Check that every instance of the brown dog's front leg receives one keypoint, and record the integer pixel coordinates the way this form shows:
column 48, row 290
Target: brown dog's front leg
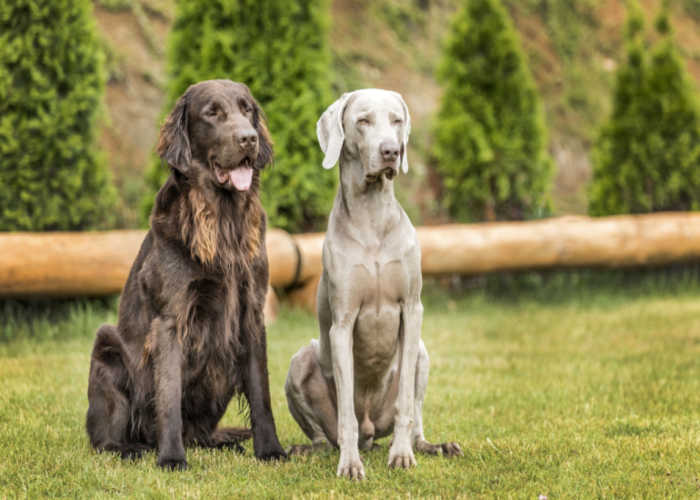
column 257, row 391
column 168, row 385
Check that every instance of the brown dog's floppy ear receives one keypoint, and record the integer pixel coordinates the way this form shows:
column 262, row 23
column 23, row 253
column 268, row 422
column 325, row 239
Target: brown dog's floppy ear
column 265, row 152
column 174, row 141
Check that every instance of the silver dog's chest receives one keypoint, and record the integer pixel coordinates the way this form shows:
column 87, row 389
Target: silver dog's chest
column 377, row 328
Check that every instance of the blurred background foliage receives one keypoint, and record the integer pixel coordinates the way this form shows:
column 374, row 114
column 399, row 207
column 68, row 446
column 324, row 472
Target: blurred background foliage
column 576, row 52
column 51, row 85
column 647, row 157
column 490, row 140
column 279, row 50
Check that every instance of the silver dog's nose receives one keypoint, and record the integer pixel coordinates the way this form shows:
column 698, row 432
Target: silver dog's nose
column 389, row 150
column 247, row 138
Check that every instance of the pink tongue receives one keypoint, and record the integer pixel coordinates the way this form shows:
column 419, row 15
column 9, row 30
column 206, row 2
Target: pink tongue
column 241, row 178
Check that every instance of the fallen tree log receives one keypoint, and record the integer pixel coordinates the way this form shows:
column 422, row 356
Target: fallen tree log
column 97, row 263
column 563, row 242
column 65, row 264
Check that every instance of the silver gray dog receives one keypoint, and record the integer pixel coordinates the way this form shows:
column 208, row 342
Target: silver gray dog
column 370, row 364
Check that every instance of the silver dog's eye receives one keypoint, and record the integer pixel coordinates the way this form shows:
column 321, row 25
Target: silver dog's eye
column 398, row 121
column 245, row 106
column 363, row 121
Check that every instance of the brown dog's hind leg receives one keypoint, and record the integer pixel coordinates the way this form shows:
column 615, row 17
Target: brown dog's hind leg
column 107, row 417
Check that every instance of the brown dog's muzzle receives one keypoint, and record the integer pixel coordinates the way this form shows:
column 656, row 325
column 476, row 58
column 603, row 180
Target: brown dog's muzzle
column 247, row 140
column 241, row 159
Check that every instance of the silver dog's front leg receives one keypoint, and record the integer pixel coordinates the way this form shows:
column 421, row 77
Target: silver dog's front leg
column 350, row 464
column 401, row 451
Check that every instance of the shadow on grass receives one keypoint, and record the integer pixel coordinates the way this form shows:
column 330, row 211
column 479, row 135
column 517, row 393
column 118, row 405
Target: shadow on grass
column 598, row 287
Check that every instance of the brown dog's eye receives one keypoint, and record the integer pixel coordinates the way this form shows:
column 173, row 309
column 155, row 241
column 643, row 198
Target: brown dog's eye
column 212, row 111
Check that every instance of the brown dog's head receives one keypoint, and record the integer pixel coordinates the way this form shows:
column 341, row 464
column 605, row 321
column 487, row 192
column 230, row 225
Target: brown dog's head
column 216, row 133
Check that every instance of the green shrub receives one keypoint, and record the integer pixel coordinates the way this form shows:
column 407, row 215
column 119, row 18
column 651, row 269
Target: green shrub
column 116, row 4
column 51, row 86
column 647, row 156
column 490, row 140
column 278, row 48
column 692, row 7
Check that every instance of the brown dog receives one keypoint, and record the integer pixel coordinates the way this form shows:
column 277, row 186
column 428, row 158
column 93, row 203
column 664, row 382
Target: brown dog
column 190, row 334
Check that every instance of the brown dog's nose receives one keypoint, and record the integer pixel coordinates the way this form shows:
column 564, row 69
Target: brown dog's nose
column 247, row 138
column 389, row 150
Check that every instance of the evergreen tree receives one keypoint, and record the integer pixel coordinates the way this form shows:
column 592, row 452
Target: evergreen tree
column 647, row 157
column 277, row 48
column 490, row 140
column 51, row 86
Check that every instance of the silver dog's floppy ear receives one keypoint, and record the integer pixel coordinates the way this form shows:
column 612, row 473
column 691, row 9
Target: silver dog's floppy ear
column 330, row 133
column 406, row 133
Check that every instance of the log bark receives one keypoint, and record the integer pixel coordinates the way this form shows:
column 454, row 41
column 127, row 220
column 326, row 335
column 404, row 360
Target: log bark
column 66, row 264
column 97, row 263
column 564, row 242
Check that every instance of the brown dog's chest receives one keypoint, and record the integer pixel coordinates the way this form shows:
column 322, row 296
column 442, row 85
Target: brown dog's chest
column 214, row 308
column 213, row 347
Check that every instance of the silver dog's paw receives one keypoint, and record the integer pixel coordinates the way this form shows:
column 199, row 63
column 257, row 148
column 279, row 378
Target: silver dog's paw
column 401, row 458
column 350, row 466
column 449, row 449
column 299, row 450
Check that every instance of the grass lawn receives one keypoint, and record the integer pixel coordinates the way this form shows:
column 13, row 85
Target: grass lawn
column 574, row 398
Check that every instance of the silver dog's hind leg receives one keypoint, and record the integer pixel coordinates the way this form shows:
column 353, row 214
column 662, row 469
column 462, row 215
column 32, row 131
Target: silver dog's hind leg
column 309, row 400
column 449, row 449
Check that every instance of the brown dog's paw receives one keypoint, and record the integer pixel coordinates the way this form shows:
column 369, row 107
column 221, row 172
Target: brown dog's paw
column 273, row 454
column 132, row 452
column 172, row 463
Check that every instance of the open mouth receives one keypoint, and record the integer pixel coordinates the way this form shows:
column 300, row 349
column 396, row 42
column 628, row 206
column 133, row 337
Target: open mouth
column 388, row 172
column 240, row 177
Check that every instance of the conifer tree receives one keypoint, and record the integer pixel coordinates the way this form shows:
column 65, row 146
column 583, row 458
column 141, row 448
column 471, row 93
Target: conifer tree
column 490, row 139
column 51, row 86
column 647, row 156
column 277, row 48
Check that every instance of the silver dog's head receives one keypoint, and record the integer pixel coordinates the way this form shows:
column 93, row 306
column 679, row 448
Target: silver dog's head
column 370, row 126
